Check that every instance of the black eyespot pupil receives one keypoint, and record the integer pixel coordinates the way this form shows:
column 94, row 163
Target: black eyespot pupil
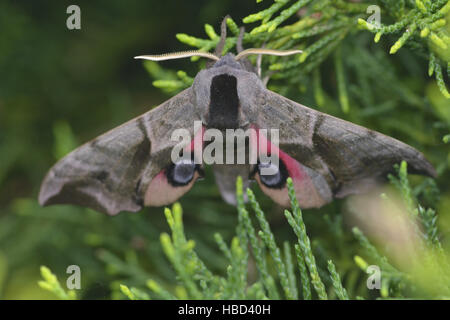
column 181, row 173
column 271, row 175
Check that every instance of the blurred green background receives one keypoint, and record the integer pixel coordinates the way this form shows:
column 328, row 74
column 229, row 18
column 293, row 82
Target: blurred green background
column 60, row 88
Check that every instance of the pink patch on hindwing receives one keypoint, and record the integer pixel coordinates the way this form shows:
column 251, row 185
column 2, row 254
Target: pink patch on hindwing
column 160, row 192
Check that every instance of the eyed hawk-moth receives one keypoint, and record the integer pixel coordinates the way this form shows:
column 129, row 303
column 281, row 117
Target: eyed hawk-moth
column 130, row 166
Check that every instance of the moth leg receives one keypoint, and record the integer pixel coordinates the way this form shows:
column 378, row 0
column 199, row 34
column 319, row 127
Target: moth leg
column 223, row 37
column 239, row 46
column 266, row 79
column 259, row 63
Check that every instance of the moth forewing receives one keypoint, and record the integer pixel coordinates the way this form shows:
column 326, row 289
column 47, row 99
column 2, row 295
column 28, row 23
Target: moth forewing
column 113, row 172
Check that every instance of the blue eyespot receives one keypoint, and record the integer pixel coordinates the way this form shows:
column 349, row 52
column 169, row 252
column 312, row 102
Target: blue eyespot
column 182, row 172
column 277, row 174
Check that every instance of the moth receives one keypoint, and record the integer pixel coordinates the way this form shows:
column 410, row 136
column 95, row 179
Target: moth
column 130, row 166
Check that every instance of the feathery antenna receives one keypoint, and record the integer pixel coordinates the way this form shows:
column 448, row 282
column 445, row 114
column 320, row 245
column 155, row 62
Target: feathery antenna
column 266, row 51
column 178, row 55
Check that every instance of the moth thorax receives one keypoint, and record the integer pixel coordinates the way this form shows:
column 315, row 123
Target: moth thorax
column 224, row 103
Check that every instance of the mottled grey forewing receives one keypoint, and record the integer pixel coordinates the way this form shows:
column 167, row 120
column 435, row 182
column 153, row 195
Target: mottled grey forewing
column 351, row 158
column 110, row 173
